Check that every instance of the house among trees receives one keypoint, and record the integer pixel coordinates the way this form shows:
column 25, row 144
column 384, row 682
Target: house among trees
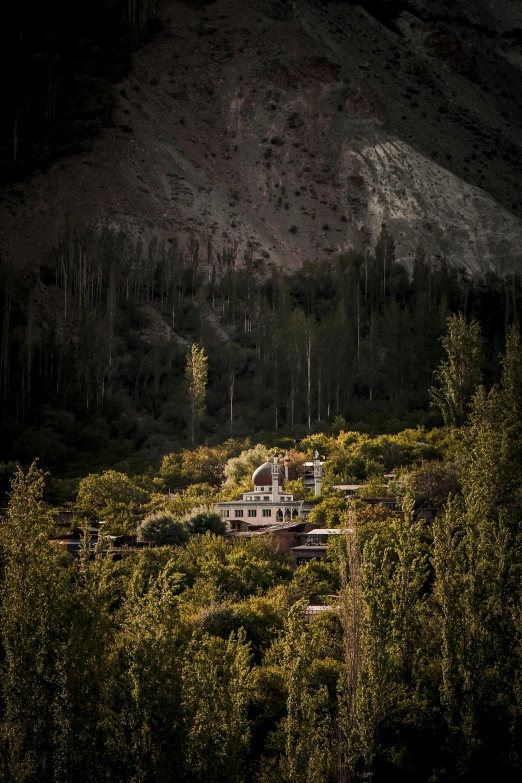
column 72, row 539
column 314, row 610
column 268, row 504
column 390, row 503
column 285, row 536
column 348, row 490
column 310, row 469
column 314, row 546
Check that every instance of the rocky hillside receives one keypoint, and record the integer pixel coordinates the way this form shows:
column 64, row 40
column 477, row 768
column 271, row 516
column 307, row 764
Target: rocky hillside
column 294, row 129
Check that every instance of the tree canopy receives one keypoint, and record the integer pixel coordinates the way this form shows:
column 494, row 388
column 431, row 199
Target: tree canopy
column 461, row 372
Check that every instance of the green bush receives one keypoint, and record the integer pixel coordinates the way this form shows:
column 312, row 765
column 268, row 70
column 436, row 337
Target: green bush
column 163, row 529
column 203, row 521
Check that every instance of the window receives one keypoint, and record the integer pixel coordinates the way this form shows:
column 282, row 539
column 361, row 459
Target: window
column 252, row 512
column 317, row 539
column 266, row 498
column 257, row 497
column 267, row 512
column 225, row 513
column 238, row 512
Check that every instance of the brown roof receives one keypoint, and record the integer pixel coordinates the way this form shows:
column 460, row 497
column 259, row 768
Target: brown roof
column 262, row 476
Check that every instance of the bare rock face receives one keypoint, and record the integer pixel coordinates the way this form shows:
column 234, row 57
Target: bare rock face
column 292, row 130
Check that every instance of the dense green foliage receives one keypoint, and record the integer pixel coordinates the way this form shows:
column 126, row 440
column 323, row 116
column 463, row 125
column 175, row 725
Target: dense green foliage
column 62, row 59
column 94, row 347
column 197, row 662
column 196, row 377
column 163, row 529
column 460, row 374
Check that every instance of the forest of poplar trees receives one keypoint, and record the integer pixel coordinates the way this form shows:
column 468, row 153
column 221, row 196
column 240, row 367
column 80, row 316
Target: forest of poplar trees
column 94, row 344
column 196, row 663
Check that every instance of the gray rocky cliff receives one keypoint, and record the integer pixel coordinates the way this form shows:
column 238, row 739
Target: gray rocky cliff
column 294, row 130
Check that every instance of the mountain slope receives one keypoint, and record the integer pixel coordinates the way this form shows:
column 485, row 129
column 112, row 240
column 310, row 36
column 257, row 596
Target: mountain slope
column 295, row 129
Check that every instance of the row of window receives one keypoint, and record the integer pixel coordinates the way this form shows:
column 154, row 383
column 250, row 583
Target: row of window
column 318, row 539
column 301, row 561
column 252, row 512
column 258, row 497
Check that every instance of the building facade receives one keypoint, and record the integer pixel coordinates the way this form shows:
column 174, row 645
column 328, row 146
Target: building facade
column 267, row 504
column 313, row 471
column 315, row 545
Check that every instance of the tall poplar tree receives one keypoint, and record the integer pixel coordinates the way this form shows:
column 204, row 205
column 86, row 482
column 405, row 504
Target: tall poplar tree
column 477, row 557
column 196, row 377
column 307, row 726
column 461, row 372
column 215, row 698
column 31, row 601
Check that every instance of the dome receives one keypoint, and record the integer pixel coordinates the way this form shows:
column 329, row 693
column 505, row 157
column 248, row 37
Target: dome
column 262, row 476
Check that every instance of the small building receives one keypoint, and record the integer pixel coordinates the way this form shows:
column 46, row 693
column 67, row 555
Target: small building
column 392, row 504
column 64, row 519
column 267, row 503
column 348, row 490
column 72, row 540
column 315, row 610
column 286, row 536
column 427, row 513
column 314, row 545
column 313, row 471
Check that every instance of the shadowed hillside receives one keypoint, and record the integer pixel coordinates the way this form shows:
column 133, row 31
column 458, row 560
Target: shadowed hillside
column 295, row 129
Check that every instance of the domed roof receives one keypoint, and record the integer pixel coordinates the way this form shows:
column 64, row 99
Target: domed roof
column 262, row 476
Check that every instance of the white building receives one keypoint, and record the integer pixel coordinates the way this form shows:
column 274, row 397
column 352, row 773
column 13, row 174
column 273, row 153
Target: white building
column 311, row 473
column 268, row 503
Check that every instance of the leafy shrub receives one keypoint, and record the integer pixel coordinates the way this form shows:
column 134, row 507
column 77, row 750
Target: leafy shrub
column 240, row 469
column 163, row 529
column 113, row 497
column 205, row 520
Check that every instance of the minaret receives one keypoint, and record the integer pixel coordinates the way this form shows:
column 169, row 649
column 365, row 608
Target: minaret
column 286, row 460
column 275, row 479
column 318, row 473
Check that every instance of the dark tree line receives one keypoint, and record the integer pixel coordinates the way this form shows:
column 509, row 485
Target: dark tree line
column 94, row 345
